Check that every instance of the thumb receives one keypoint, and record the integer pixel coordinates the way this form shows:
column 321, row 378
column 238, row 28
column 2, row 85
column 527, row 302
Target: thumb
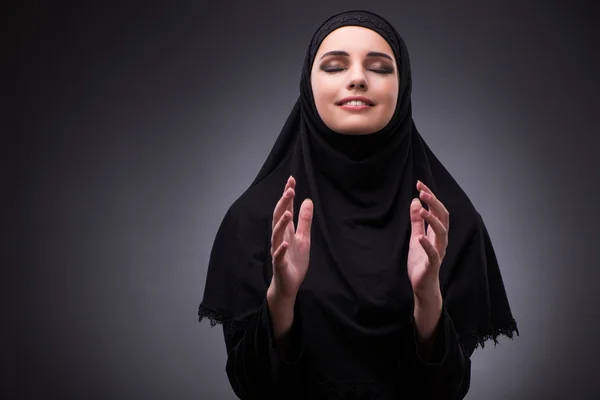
column 305, row 219
column 416, row 221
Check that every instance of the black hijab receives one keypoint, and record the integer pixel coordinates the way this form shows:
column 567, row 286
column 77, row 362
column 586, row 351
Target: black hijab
column 356, row 290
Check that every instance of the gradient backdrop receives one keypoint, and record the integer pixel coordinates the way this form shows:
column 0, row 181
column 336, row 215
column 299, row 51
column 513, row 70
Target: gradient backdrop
column 139, row 125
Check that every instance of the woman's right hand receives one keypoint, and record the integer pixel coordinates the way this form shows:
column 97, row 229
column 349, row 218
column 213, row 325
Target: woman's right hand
column 290, row 247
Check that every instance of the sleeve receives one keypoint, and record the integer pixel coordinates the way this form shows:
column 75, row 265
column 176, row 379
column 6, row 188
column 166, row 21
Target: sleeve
column 475, row 309
column 237, row 280
column 447, row 374
column 254, row 368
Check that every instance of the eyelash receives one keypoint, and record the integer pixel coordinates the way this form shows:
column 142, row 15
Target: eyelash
column 384, row 71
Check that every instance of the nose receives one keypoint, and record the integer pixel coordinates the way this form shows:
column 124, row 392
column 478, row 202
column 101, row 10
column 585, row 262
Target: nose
column 358, row 80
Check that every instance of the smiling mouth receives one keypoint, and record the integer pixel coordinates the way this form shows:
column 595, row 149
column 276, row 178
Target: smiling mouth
column 353, row 107
column 355, row 103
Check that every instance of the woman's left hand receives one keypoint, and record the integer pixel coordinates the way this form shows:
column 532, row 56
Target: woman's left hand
column 427, row 247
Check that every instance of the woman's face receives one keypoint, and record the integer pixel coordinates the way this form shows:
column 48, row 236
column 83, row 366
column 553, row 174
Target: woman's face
column 353, row 61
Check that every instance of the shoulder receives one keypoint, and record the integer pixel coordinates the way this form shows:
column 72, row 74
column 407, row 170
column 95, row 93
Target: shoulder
column 465, row 219
column 256, row 204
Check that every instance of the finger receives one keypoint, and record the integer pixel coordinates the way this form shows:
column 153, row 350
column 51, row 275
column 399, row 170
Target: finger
column 432, row 254
column 416, row 222
column 305, row 218
column 279, row 256
column 292, row 184
column 441, row 233
column 282, row 205
column 279, row 230
column 421, row 186
column 436, row 207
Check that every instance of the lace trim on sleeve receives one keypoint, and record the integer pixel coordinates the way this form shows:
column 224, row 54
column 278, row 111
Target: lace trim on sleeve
column 215, row 318
column 478, row 339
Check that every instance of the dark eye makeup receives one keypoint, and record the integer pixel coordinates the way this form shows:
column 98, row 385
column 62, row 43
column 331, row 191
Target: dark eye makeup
column 379, row 69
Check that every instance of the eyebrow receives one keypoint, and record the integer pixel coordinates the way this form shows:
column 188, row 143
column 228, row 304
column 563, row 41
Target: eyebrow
column 369, row 54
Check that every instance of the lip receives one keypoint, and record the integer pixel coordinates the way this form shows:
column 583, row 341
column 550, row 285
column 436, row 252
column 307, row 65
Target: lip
column 356, row 98
column 355, row 108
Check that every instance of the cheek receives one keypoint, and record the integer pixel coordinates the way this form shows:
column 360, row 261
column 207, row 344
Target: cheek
column 325, row 89
column 391, row 91
column 324, row 93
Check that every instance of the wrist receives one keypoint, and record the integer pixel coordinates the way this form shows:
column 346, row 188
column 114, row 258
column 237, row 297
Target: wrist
column 281, row 309
column 428, row 297
column 427, row 314
column 275, row 296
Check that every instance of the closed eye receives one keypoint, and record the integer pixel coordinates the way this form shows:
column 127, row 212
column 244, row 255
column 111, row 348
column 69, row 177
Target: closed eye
column 376, row 70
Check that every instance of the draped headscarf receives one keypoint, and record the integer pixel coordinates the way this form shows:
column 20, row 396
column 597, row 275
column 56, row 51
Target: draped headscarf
column 356, row 290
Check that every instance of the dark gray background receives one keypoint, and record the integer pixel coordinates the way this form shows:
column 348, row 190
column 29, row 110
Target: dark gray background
column 137, row 127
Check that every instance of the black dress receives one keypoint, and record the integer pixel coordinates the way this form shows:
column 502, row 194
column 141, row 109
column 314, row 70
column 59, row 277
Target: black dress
column 353, row 335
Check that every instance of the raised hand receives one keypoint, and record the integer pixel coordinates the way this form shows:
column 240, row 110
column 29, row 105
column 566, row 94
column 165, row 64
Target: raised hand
column 427, row 248
column 290, row 247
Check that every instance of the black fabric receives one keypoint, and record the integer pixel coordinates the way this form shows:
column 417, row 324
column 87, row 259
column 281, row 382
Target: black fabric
column 354, row 308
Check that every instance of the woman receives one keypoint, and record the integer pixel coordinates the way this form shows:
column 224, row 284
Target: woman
column 367, row 290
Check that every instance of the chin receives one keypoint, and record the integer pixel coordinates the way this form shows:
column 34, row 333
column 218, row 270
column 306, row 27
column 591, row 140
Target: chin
column 356, row 130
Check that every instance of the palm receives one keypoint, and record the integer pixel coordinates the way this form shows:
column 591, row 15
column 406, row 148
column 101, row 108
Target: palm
column 296, row 257
column 290, row 247
column 427, row 246
column 418, row 260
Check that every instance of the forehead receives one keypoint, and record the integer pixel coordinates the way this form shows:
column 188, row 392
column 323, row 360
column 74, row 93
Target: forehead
column 354, row 39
